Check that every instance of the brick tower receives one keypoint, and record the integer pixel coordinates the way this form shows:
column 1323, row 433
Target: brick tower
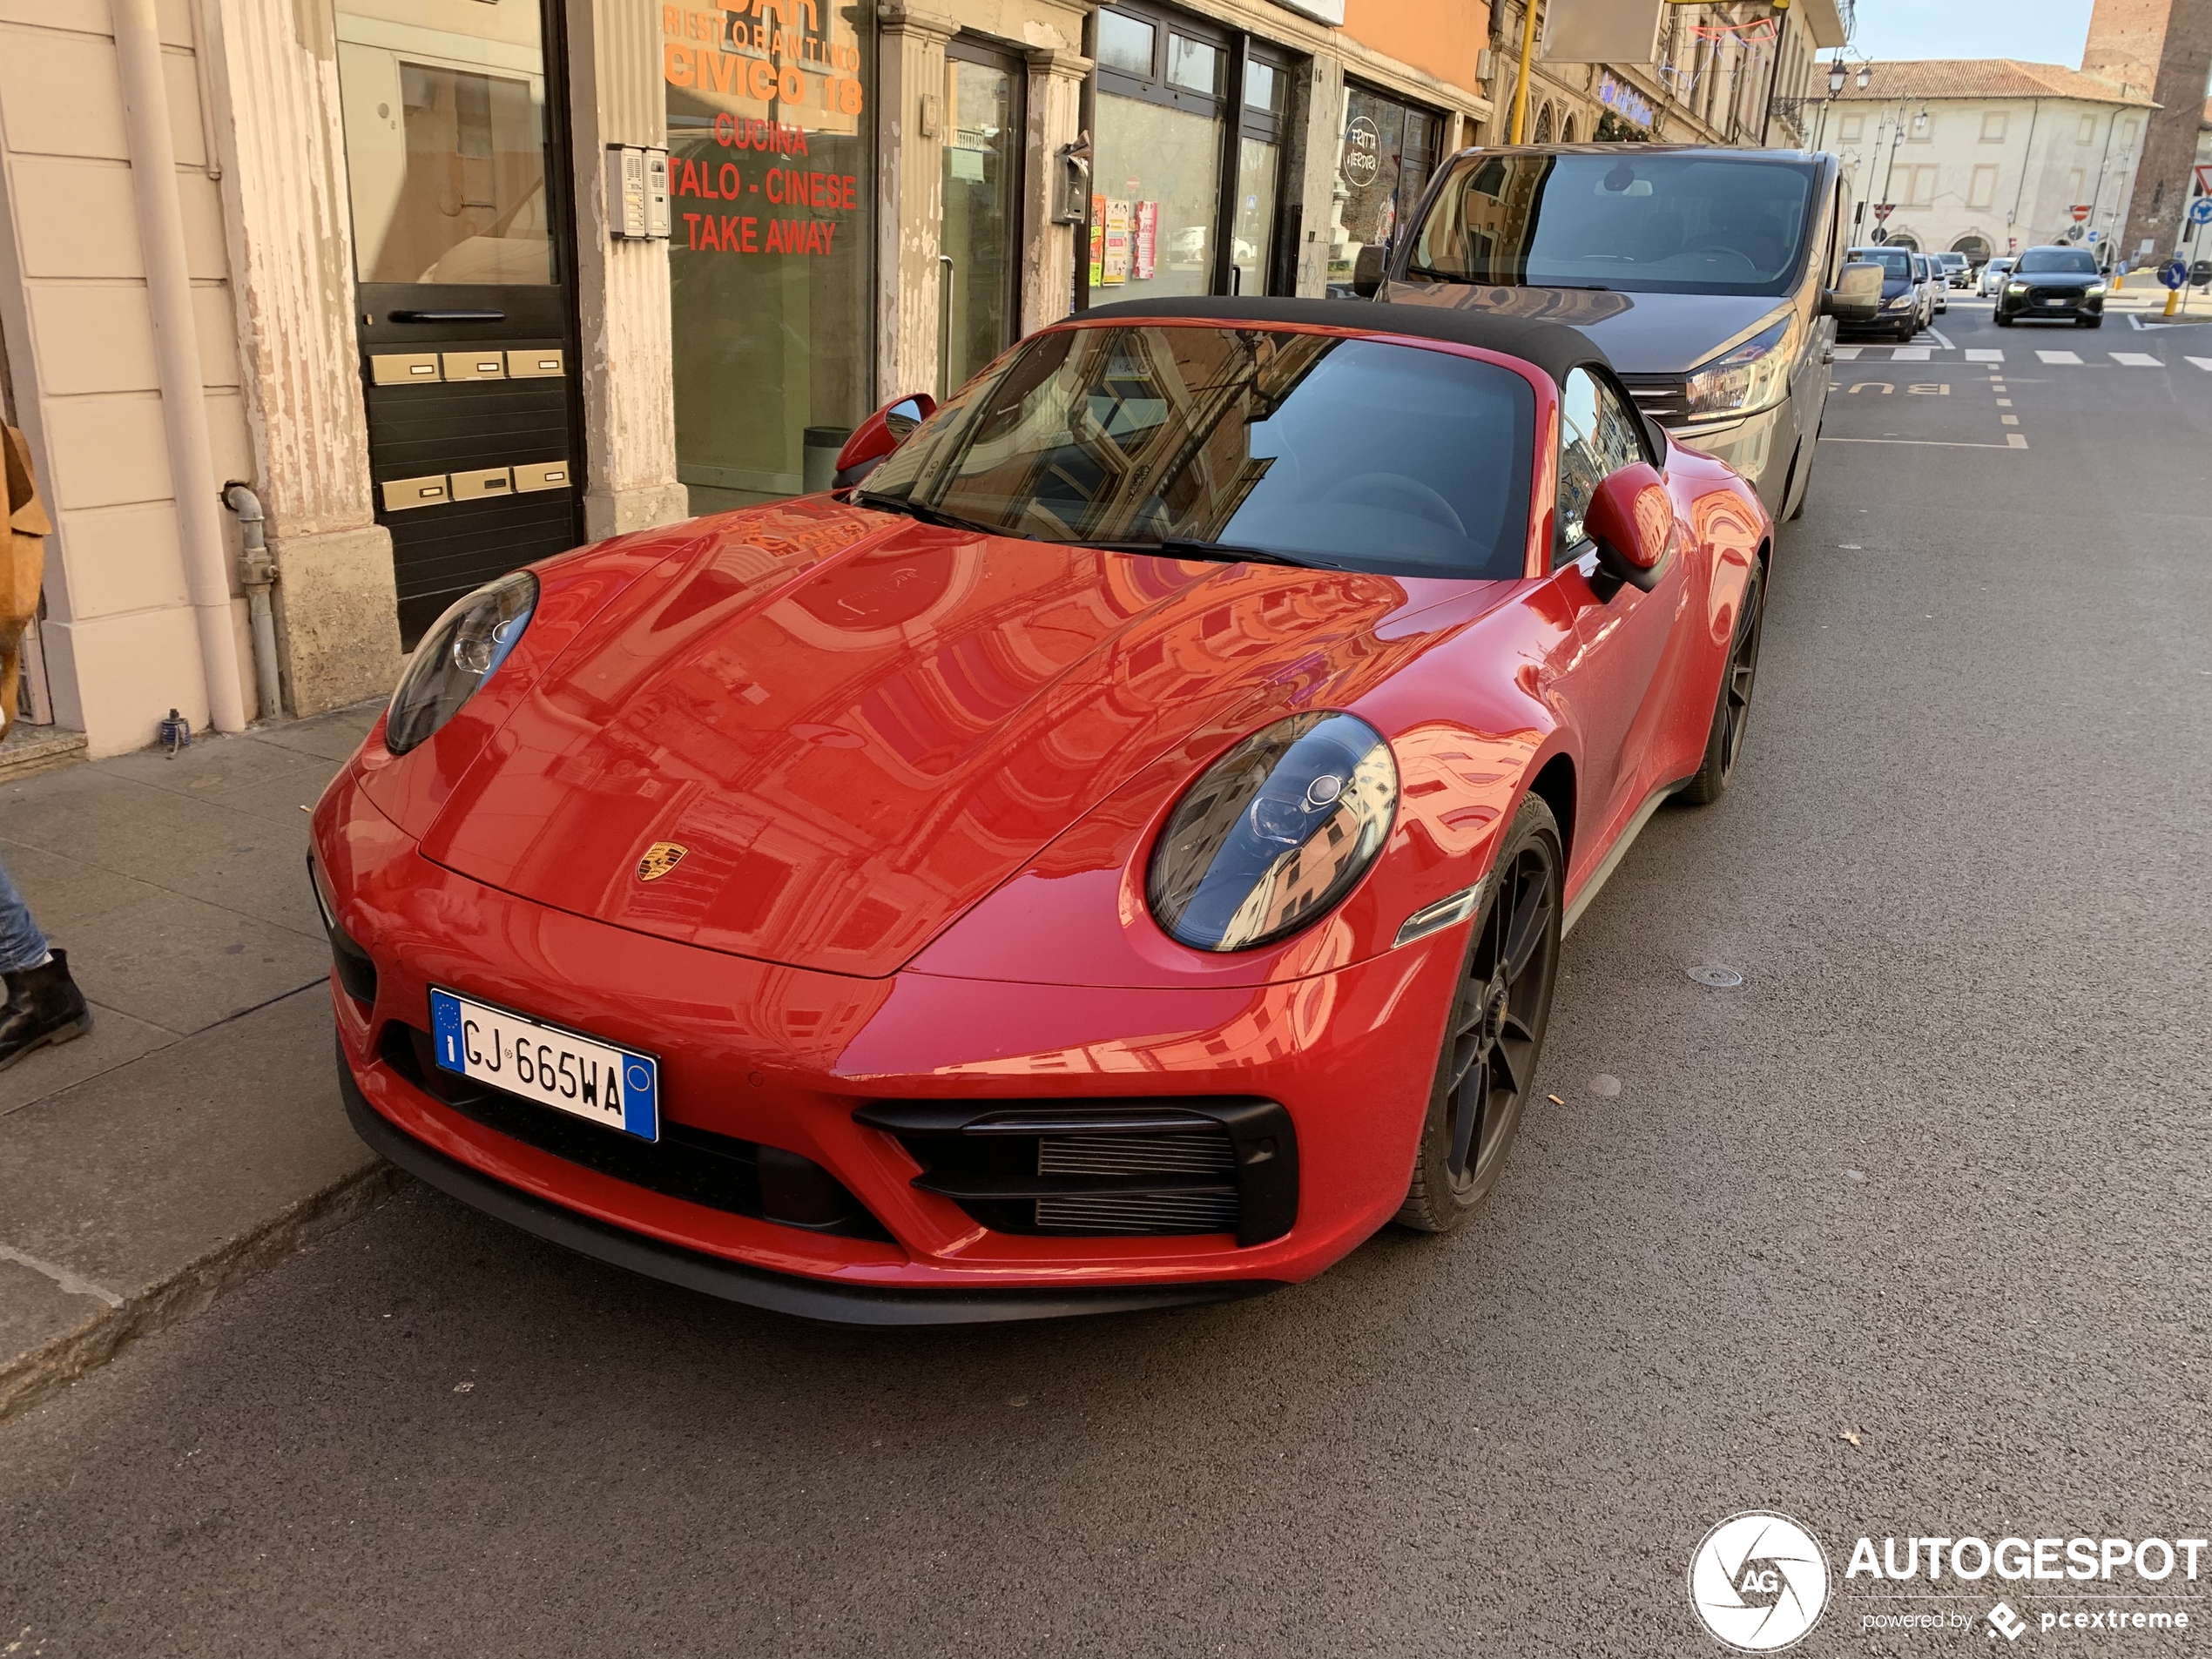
column 2163, row 48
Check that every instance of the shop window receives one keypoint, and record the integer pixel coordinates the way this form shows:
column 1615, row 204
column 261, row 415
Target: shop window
column 1186, row 172
column 771, row 177
column 1385, row 154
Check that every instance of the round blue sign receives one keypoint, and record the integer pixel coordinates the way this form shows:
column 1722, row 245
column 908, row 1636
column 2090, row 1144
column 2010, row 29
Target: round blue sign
column 2200, row 211
column 2173, row 273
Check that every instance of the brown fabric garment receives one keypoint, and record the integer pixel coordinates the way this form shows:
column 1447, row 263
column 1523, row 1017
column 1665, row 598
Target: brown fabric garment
column 23, row 563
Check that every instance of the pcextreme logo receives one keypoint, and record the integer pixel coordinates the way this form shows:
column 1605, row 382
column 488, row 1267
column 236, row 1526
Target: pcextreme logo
column 1759, row 1582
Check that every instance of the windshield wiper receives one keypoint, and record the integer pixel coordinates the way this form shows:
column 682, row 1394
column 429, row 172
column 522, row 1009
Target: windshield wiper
column 1186, row 546
column 926, row 514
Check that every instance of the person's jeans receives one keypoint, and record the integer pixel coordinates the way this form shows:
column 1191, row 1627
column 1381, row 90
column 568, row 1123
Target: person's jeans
column 21, row 943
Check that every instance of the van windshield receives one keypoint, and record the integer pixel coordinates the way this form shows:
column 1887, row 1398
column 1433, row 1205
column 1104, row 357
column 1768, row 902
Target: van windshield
column 1648, row 224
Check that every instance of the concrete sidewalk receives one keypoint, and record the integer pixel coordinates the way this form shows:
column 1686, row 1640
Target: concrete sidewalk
column 196, row 1135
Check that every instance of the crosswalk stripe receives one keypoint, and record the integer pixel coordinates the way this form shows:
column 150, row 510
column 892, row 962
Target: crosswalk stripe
column 2202, row 362
column 1980, row 355
column 1910, row 353
column 1848, row 353
column 2058, row 357
column 2138, row 360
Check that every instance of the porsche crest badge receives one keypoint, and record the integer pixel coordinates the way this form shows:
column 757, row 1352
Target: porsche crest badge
column 660, row 858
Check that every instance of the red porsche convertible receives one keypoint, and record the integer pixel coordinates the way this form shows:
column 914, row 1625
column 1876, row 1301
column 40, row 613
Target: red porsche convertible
column 1113, row 851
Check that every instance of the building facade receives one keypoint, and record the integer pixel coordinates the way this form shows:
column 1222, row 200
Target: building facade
column 2163, row 49
column 1986, row 155
column 451, row 285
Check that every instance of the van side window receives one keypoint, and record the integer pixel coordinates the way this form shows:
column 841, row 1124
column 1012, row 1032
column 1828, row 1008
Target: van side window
column 1598, row 436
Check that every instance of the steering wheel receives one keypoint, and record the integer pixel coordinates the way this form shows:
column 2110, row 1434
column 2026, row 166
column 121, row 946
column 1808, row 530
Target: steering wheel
column 1395, row 492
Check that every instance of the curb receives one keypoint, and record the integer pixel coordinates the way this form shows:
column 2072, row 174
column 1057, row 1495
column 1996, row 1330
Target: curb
column 31, row 1378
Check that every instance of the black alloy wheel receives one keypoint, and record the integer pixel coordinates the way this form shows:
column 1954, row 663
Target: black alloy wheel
column 1732, row 708
column 1487, row 1066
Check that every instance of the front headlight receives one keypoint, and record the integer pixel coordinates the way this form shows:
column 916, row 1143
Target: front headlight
column 1751, row 377
column 1903, row 302
column 2093, row 291
column 2016, row 288
column 463, row 648
column 1274, row 833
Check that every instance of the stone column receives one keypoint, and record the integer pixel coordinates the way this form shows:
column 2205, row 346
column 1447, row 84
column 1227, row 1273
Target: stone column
column 910, row 206
column 272, row 70
column 1317, row 185
column 1049, row 251
column 627, row 360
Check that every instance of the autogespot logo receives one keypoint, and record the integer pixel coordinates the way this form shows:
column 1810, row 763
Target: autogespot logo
column 1759, row 1582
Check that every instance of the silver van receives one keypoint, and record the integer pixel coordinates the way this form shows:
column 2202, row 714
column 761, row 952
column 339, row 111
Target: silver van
column 1713, row 280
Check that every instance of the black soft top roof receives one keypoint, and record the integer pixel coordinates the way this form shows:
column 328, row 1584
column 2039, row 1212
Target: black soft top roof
column 1552, row 346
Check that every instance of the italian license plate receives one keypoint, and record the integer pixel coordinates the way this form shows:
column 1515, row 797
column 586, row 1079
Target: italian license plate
column 2062, row 300
column 616, row 1088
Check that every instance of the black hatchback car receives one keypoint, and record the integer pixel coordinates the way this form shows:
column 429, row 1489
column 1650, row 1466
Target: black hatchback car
column 2058, row 283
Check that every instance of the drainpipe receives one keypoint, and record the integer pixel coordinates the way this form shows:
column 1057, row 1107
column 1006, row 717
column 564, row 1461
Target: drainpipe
column 176, row 348
column 257, row 574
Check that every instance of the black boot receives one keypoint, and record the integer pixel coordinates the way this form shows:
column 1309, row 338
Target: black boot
column 44, row 1006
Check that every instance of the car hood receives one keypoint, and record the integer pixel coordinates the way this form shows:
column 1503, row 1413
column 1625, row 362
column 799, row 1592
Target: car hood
column 855, row 726
column 1641, row 333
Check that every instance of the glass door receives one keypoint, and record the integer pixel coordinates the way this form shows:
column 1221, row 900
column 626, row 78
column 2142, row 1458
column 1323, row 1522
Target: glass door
column 980, row 266
column 465, row 296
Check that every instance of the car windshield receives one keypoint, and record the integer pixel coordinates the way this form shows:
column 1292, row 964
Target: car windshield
column 1649, row 224
column 1895, row 262
column 2067, row 261
column 1202, row 441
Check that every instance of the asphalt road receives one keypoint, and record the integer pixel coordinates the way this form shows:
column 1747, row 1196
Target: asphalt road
column 1936, row 1174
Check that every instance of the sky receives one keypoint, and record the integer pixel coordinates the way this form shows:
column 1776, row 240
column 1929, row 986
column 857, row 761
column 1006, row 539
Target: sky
column 2036, row 31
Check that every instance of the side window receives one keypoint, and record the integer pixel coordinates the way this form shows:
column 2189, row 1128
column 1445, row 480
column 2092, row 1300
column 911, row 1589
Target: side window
column 1580, row 465
column 1598, row 433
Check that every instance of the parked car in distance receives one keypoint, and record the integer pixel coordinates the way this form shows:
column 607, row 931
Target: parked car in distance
column 1252, row 692
column 2056, row 283
column 1713, row 279
column 1934, row 283
column 1903, row 306
column 1993, row 275
column 1956, row 269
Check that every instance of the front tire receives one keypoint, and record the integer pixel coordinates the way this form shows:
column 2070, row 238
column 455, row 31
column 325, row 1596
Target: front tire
column 1732, row 707
column 1486, row 1067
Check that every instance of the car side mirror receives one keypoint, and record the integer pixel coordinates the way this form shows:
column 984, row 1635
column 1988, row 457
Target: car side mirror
column 1632, row 520
column 1367, row 270
column 1856, row 296
column 880, row 434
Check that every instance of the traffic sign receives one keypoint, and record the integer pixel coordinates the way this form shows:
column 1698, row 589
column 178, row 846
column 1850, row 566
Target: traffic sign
column 2173, row 273
column 2094, row 235
column 1877, row 236
column 1883, row 210
column 2081, row 213
column 2200, row 211
column 2073, row 233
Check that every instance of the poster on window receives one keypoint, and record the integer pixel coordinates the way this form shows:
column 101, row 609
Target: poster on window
column 1116, row 252
column 1146, row 254
column 1097, row 240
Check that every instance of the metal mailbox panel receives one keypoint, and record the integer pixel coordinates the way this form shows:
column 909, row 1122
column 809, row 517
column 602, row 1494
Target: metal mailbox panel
column 542, row 475
column 534, row 365
column 490, row 364
column 488, row 481
column 401, row 493
column 402, row 369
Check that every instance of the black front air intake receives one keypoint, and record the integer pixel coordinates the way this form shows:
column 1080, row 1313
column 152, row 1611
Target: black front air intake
column 719, row 1171
column 1105, row 1166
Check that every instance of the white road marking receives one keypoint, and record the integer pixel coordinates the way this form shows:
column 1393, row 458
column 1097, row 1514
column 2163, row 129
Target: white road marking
column 70, row 1283
column 1942, row 339
column 2202, row 362
column 2058, row 357
column 2138, row 360
column 2016, row 442
column 1848, row 353
column 2009, row 420
column 1983, row 354
column 1912, row 354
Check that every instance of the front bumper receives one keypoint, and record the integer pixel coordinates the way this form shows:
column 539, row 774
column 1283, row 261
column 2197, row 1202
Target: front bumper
column 2066, row 306
column 810, row 1064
